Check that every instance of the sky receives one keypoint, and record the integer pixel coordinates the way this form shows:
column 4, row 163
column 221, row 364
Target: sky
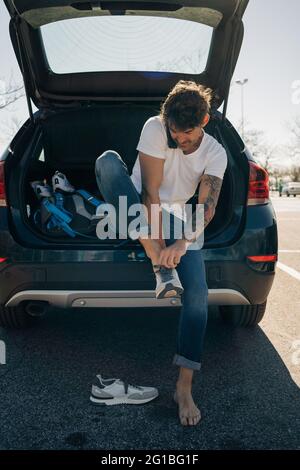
column 269, row 59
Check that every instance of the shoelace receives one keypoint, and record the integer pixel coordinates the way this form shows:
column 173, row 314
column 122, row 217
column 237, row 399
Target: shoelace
column 126, row 385
column 165, row 273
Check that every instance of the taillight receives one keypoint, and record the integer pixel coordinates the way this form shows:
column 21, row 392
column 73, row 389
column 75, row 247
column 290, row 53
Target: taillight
column 263, row 258
column 2, row 186
column 258, row 190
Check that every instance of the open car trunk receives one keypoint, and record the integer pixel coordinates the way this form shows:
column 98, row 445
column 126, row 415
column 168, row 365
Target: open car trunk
column 146, row 71
column 85, row 111
column 71, row 140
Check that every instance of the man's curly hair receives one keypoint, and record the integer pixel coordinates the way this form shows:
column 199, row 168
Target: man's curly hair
column 185, row 107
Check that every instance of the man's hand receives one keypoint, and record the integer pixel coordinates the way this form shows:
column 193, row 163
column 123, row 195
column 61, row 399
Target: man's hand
column 171, row 255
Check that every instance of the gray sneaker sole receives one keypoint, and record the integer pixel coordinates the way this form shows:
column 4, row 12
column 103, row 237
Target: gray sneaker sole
column 169, row 291
column 120, row 401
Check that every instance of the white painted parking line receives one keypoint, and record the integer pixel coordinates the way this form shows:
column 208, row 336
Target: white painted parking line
column 292, row 272
column 288, row 251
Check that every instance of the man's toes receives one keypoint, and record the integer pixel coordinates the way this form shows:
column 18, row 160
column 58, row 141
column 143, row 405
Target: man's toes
column 197, row 418
column 190, row 421
column 184, row 420
column 194, row 421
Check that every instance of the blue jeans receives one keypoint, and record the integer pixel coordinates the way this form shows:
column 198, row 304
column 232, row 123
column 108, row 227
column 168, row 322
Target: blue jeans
column 113, row 181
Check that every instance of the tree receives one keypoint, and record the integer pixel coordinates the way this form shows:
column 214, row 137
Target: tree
column 10, row 126
column 185, row 64
column 10, row 91
column 295, row 173
column 294, row 146
column 264, row 153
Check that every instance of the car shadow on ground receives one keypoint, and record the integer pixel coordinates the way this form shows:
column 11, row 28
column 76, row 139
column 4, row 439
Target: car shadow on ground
column 247, row 396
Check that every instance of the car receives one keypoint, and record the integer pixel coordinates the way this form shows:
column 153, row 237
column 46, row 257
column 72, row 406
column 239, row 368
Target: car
column 291, row 189
column 96, row 72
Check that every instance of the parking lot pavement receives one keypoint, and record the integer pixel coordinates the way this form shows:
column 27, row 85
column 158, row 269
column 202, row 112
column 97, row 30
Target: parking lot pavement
column 290, row 261
column 286, row 204
column 281, row 323
column 282, row 320
column 288, row 219
column 248, row 389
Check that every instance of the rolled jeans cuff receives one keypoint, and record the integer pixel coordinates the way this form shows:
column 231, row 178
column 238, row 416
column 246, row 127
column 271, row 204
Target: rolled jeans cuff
column 187, row 363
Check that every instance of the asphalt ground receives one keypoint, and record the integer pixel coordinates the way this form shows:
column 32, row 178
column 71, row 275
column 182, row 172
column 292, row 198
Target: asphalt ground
column 248, row 389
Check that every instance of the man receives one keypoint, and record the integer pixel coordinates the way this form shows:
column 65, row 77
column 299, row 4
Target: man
column 280, row 186
column 175, row 155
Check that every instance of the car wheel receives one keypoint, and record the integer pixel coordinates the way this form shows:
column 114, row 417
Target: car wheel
column 288, row 194
column 243, row 315
column 16, row 317
column 295, row 195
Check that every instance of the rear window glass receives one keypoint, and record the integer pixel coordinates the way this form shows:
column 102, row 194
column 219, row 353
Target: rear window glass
column 122, row 43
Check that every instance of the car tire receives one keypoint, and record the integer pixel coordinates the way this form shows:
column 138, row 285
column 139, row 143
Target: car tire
column 288, row 194
column 243, row 315
column 295, row 195
column 16, row 317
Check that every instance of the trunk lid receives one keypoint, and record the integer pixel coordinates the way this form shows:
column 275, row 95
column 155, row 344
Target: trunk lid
column 79, row 24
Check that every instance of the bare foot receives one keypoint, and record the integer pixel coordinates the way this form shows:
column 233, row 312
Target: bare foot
column 189, row 414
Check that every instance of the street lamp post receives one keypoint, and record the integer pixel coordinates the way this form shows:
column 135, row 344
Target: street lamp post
column 242, row 83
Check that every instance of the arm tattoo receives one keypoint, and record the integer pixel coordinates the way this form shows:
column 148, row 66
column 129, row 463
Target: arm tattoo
column 209, row 191
column 210, row 188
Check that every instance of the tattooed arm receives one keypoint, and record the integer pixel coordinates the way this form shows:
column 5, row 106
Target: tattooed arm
column 209, row 191
column 210, row 187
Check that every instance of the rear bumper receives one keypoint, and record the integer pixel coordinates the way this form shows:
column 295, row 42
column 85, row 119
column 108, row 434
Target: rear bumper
column 107, row 277
column 122, row 299
column 127, row 284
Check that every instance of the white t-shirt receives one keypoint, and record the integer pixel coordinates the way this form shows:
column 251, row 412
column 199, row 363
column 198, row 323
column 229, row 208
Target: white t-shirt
column 181, row 172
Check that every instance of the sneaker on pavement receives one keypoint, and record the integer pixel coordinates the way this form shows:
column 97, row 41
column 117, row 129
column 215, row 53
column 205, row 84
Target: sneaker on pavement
column 167, row 282
column 119, row 392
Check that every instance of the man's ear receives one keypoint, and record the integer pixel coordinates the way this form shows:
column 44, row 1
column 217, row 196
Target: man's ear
column 205, row 120
column 171, row 142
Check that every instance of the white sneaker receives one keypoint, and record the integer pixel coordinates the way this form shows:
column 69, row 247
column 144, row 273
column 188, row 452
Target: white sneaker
column 41, row 189
column 119, row 392
column 59, row 181
column 167, row 282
